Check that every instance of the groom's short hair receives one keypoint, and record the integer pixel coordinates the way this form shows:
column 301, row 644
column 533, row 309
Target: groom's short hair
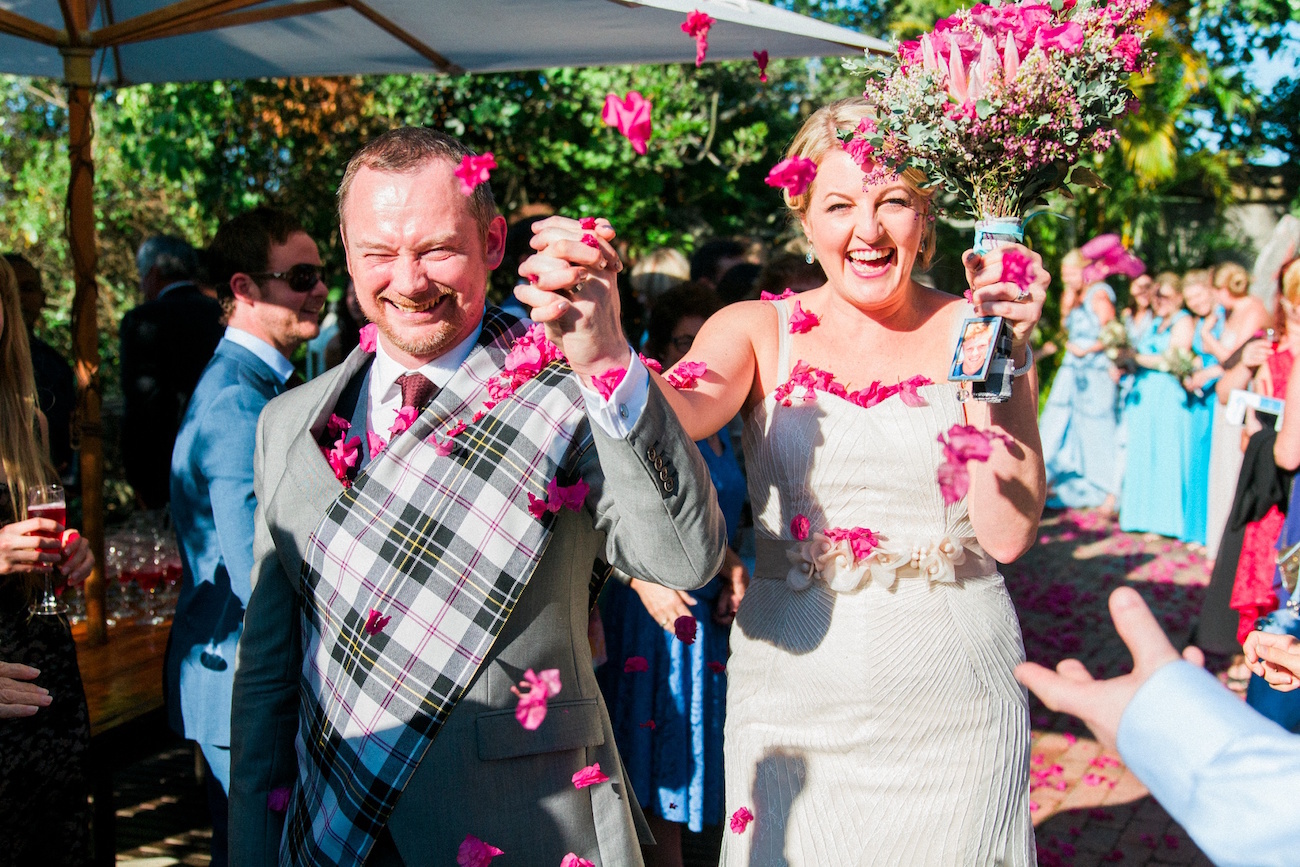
column 408, row 149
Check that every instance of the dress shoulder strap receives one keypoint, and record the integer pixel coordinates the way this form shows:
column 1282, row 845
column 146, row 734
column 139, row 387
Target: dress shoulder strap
column 783, row 339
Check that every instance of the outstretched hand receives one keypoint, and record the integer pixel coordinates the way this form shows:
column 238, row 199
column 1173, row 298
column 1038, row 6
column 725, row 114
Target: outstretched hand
column 572, row 289
column 1101, row 703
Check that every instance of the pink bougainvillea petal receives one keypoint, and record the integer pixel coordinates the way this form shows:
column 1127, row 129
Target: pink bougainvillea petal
column 961, row 445
column 590, row 240
column 375, row 622
column 802, row 321
column 740, row 820
column 650, row 363
column 686, row 374
column 476, row 417
column 277, row 800
column 768, row 296
column 473, row 852
column 587, row 223
column 635, row 664
column 368, row 337
column 761, row 57
column 631, row 116
column 800, row 526
column 716, row 667
column 343, row 457
column 406, row 416
column 589, row 776
column 474, row 170
column 533, row 692
column 1017, row 268
column 608, row 381
column 457, row 429
column 572, row 860
column 375, row 443
column 336, row 426
column 536, row 506
column 794, row 174
column 440, row 448
column 649, row 724
column 685, row 627
column 697, row 26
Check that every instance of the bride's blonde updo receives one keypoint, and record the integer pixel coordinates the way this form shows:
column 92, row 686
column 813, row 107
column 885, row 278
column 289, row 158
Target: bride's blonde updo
column 820, row 133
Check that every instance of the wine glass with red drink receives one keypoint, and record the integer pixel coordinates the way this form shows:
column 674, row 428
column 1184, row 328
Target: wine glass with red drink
column 46, row 501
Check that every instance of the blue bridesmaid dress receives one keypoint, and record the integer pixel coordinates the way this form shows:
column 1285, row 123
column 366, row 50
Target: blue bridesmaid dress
column 1078, row 422
column 668, row 720
column 1151, row 498
column 1196, row 453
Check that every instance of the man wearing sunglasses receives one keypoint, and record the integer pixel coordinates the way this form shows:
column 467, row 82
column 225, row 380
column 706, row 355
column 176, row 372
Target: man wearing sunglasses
column 268, row 276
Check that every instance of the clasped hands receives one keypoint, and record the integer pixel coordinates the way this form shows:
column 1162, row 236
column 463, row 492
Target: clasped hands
column 573, row 291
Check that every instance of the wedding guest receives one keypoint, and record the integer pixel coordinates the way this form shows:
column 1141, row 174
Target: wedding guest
column 830, row 745
column 1222, row 771
column 738, row 284
column 668, row 715
column 1246, row 316
column 1078, row 422
column 44, row 724
column 1151, row 497
column 714, row 258
column 1137, row 319
column 656, row 272
column 1208, row 324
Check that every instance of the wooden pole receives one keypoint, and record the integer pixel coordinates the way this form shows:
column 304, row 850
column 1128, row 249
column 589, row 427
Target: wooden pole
column 85, row 325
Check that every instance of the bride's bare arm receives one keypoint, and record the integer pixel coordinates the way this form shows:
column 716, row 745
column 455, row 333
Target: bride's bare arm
column 726, row 347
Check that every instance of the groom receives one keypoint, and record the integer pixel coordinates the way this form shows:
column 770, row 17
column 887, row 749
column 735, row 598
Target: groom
column 428, row 513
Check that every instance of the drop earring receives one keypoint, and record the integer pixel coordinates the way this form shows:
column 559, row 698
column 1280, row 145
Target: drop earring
column 809, row 257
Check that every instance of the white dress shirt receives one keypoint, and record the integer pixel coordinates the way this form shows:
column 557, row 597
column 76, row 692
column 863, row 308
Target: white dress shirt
column 615, row 416
column 1228, row 775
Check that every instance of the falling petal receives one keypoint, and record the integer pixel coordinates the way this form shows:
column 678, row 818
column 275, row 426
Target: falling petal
column 473, row 852
column 589, row 776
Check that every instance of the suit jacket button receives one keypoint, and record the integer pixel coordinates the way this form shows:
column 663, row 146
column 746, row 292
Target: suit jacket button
column 668, row 485
column 663, row 474
column 651, row 454
column 659, row 463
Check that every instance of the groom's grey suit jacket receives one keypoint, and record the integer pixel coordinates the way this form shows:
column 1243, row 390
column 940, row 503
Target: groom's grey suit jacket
column 656, row 516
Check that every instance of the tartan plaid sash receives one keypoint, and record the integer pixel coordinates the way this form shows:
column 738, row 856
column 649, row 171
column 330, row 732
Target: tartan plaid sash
column 442, row 545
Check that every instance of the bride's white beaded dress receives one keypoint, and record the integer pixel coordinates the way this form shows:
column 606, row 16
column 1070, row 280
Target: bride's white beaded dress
column 872, row 715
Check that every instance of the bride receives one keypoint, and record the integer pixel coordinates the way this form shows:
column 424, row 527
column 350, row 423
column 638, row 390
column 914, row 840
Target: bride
column 872, row 716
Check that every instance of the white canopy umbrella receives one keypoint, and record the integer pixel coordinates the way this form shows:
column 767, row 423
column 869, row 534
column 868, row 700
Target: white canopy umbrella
column 87, row 43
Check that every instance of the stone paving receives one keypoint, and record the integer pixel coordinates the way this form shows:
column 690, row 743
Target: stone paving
column 1088, row 809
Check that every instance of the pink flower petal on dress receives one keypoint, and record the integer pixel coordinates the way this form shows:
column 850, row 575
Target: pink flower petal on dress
column 375, row 622
column 631, row 116
column 802, row 321
column 572, row 860
column 697, row 26
column 635, row 664
column 473, row 852
column 907, row 390
column 685, row 627
column 761, row 57
column 368, row 336
column 375, row 443
column 650, row 363
column 794, row 174
column 474, row 170
column 406, row 416
column 277, row 800
column 740, row 820
column 768, row 296
column 608, row 381
column 587, row 223
column 800, row 526
column 716, row 667
column 589, row 776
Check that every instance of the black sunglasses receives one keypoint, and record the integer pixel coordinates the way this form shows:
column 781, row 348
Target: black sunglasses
column 301, row 278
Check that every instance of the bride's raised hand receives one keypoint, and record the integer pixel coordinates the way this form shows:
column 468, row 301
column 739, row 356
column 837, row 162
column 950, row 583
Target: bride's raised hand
column 1010, row 282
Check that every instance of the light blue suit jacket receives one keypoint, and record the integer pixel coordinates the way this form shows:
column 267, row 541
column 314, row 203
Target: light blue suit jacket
column 212, row 507
column 1224, row 772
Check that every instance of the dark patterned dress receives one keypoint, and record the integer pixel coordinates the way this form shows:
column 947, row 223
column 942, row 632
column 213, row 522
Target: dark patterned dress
column 44, row 786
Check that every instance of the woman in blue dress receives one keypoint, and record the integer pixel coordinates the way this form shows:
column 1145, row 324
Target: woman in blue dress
column 1198, row 294
column 666, row 698
column 1151, row 499
column 1077, row 424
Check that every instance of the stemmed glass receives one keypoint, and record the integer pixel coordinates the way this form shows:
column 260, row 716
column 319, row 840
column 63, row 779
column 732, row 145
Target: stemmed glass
column 46, row 501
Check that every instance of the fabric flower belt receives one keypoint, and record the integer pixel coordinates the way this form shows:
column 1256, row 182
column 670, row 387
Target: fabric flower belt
column 833, row 561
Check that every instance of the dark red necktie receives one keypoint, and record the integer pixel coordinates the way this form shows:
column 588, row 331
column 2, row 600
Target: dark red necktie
column 417, row 390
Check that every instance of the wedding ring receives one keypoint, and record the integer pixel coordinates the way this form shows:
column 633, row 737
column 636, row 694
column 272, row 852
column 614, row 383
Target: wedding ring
column 1024, row 296
column 579, row 286
column 664, row 624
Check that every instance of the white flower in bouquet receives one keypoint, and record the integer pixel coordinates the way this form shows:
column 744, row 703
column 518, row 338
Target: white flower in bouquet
column 1182, row 363
column 1114, row 338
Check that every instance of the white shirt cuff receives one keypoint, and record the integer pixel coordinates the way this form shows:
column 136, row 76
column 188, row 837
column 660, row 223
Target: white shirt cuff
column 618, row 415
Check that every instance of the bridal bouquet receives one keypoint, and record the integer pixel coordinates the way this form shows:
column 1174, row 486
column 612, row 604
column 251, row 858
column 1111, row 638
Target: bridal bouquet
column 1114, row 339
column 999, row 101
column 1182, row 363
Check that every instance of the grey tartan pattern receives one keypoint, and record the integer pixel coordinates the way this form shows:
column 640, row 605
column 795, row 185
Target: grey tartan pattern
column 442, row 545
